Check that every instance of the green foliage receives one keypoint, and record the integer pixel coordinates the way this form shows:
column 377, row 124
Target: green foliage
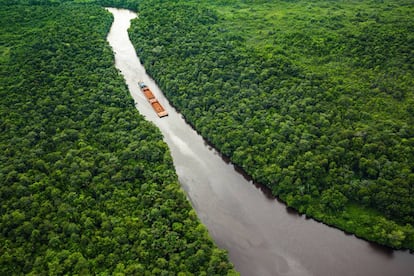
column 87, row 186
column 313, row 99
column 333, row 200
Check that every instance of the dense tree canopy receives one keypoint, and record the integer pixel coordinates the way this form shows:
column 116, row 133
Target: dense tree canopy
column 313, row 99
column 87, row 186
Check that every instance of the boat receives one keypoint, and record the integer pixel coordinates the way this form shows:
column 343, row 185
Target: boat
column 158, row 108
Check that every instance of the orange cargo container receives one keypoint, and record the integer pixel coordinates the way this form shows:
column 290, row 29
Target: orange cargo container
column 159, row 109
column 148, row 94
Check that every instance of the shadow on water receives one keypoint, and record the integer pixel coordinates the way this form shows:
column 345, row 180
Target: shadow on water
column 292, row 212
column 382, row 250
column 267, row 192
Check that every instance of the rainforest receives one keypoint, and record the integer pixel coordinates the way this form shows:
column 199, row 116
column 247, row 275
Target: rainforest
column 87, row 184
column 314, row 99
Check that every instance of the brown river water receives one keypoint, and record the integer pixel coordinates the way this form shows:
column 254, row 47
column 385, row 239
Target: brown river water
column 261, row 235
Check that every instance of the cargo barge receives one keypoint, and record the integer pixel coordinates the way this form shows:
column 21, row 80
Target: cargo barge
column 158, row 108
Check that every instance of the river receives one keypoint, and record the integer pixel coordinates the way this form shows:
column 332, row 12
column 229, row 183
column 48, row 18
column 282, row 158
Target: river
column 261, row 235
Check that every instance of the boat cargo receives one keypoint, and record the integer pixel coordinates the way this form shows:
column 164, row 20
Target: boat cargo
column 148, row 94
column 158, row 108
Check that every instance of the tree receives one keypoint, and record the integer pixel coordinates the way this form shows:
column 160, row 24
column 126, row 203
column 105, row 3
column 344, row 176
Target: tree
column 333, row 200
